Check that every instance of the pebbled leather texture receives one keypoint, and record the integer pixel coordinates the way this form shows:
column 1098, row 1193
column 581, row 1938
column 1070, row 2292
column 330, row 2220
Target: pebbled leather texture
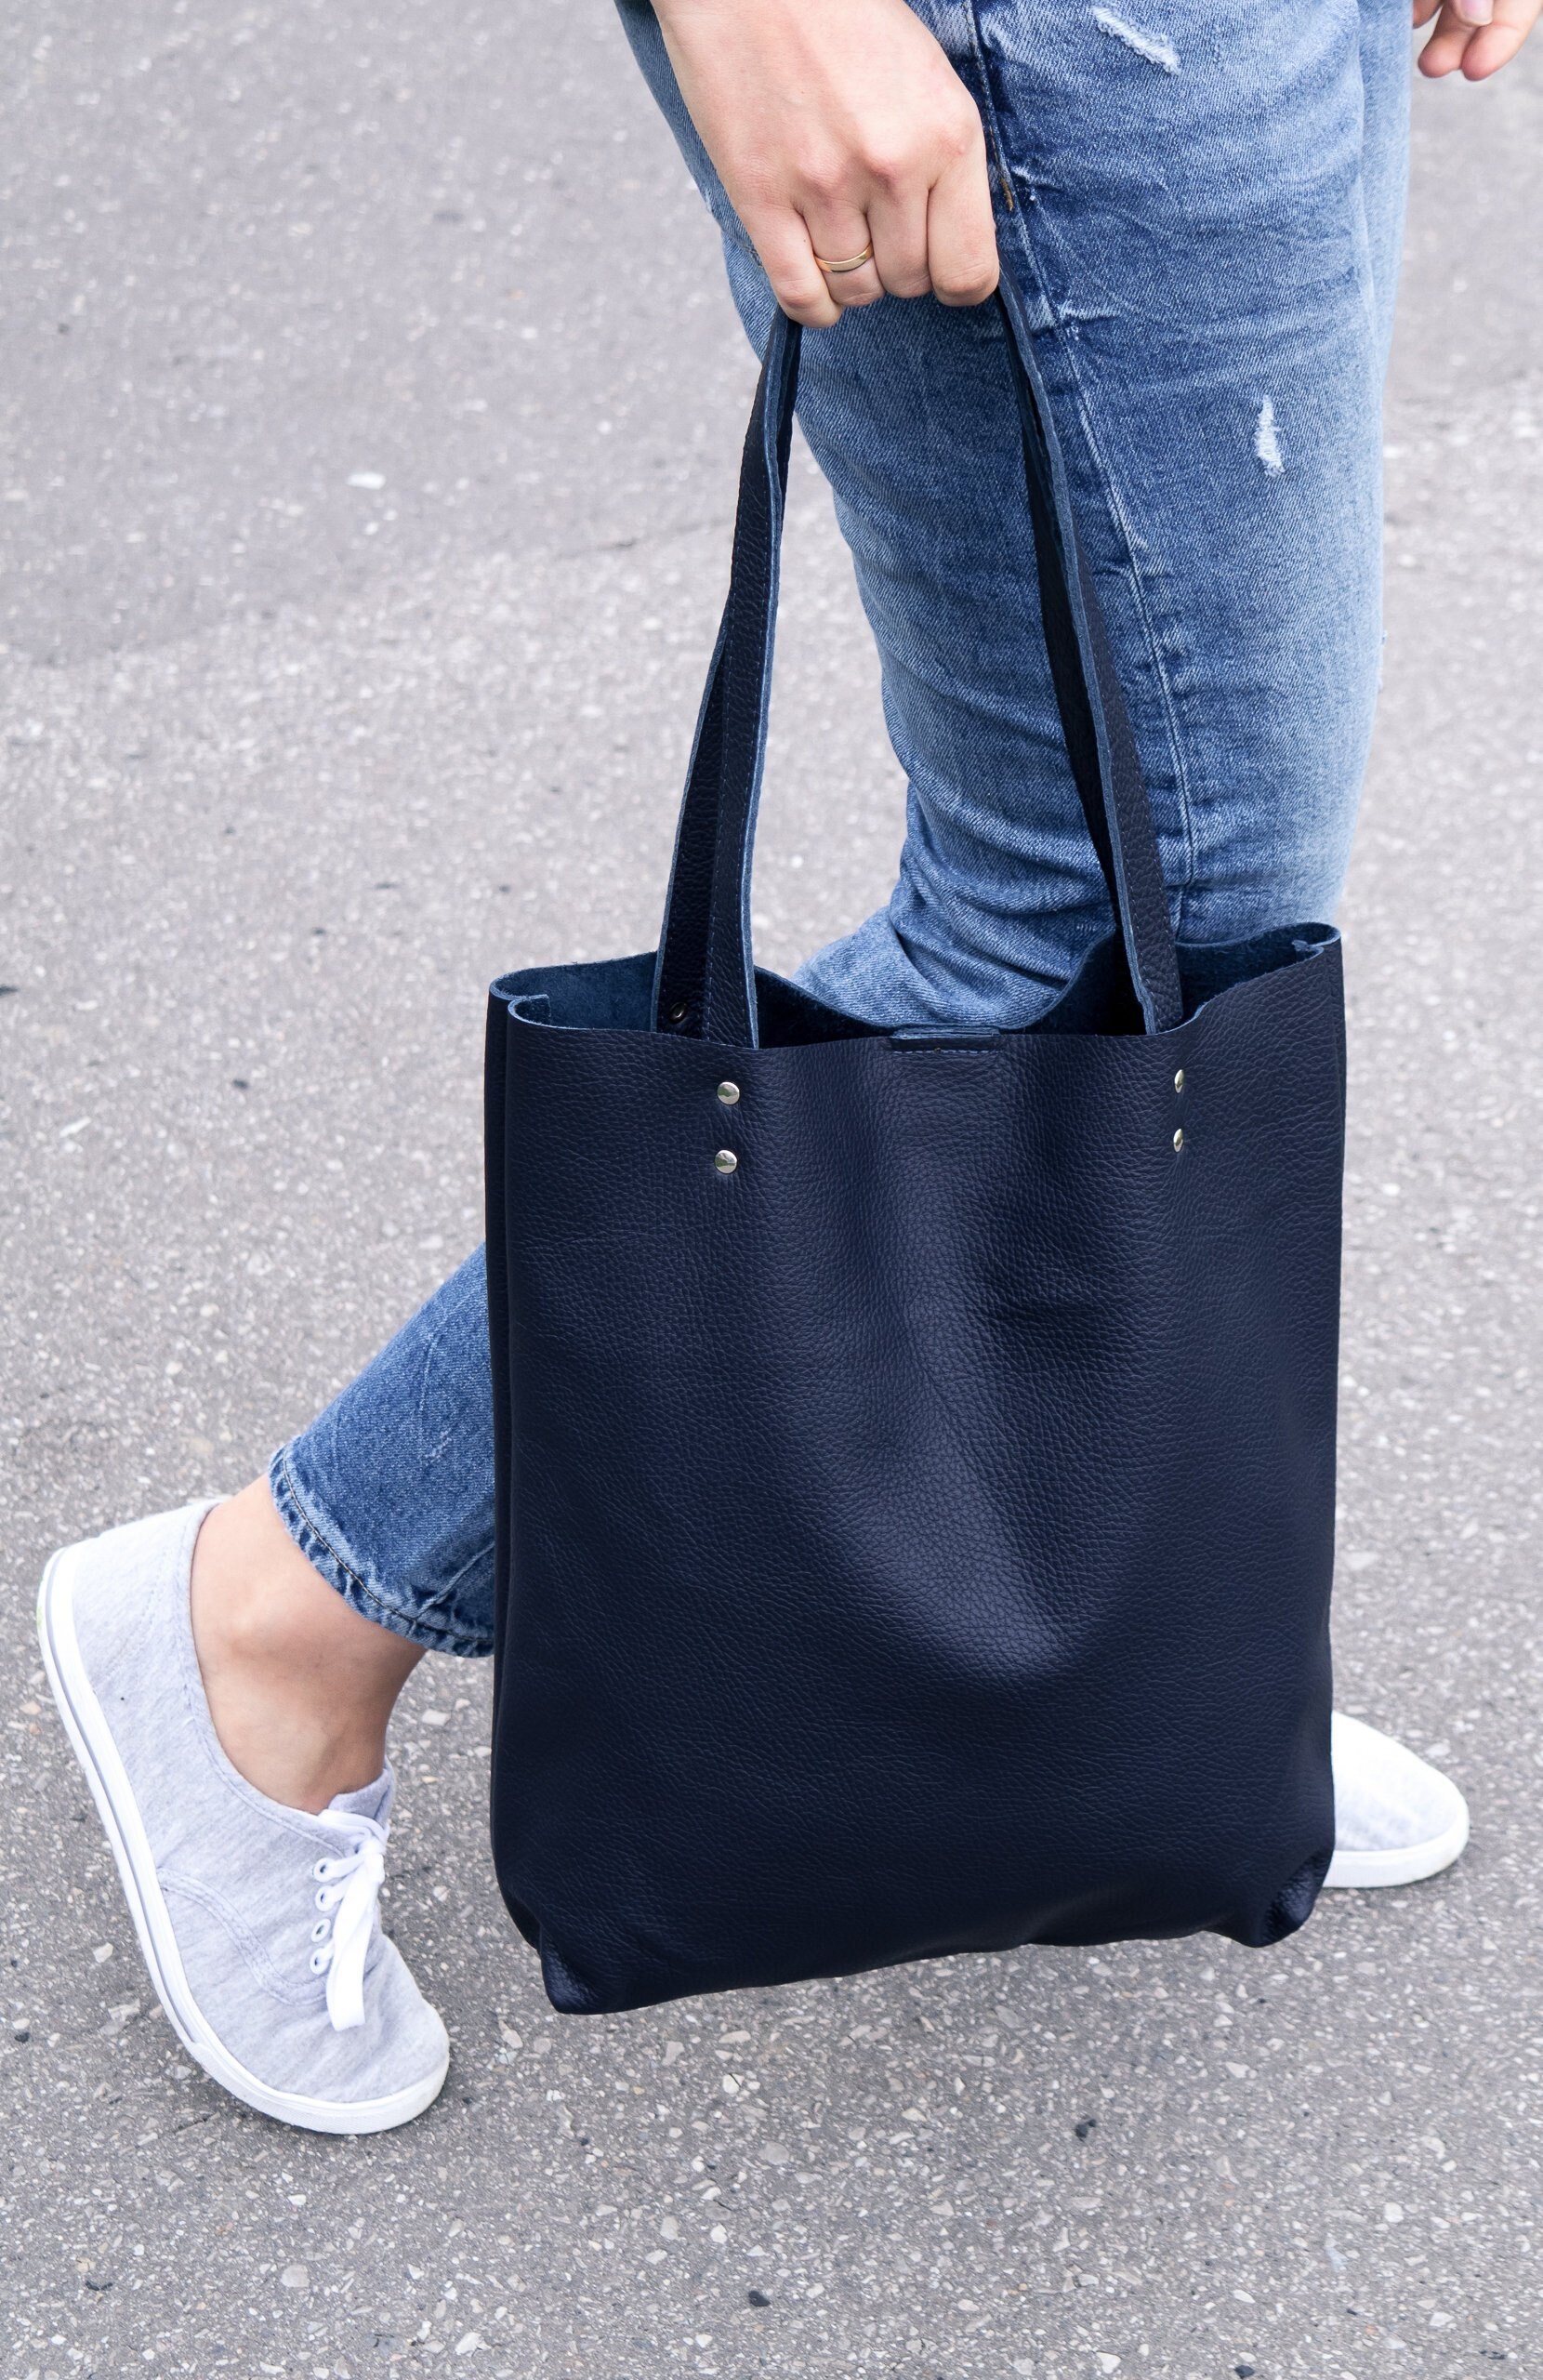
column 918, row 1538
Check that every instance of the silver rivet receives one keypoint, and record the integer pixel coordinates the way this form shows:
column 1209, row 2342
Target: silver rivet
column 725, row 1160
column 1178, row 1080
column 1179, row 1140
column 729, row 1093
column 678, row 1011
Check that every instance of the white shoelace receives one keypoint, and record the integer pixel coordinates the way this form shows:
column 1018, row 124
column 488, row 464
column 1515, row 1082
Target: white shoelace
column 347, row 1889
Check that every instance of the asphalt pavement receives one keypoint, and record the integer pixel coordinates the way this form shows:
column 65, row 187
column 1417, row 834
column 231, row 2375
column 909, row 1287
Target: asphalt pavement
column 367, row 445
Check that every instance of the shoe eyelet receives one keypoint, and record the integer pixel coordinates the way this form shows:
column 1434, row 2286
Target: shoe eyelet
column 322, row 1871
column 320, row 1961
column 322, row 1900
column 320, row 1931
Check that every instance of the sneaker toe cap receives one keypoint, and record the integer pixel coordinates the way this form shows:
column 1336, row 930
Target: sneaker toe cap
column 285, row 2043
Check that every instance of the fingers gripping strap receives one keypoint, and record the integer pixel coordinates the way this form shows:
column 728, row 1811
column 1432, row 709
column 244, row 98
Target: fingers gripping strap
column 704, row 981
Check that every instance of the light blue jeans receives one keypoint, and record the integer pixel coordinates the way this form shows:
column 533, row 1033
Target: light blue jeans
column 1201, row 201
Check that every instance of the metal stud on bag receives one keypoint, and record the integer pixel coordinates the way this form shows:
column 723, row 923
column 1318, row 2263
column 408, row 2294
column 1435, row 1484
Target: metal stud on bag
column 726, row 1160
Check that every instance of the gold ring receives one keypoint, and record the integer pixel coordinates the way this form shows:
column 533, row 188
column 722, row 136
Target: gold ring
column 846, row 264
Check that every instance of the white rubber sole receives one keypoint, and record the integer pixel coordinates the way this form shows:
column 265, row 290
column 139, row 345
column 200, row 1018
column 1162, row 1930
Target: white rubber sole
column 85, row 1724
column 1366, row 1870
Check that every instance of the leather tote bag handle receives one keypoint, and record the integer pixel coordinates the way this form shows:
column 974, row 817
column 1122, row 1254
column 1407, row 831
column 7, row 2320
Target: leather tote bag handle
column 705, row 982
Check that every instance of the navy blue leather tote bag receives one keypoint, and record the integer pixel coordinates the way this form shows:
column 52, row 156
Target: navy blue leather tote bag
column 915, row 1448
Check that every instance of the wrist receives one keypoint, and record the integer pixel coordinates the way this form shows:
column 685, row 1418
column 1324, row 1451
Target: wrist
column 672, row 13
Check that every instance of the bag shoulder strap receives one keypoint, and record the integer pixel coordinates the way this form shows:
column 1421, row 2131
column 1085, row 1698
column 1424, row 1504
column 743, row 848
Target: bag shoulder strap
column 704, row 979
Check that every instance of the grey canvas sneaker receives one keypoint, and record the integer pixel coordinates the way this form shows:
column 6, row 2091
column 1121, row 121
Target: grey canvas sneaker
column 257, row 1923
column 1396, row 1820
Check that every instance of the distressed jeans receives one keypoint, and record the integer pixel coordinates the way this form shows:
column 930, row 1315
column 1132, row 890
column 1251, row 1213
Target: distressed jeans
column 1201, row 201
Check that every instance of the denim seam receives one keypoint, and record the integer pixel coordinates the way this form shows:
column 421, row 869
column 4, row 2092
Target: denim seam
column 436, row 1640
column 1110, row 487
column 430, row 1452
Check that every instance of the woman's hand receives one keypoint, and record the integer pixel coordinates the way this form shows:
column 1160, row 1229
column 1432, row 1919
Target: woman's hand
column 832, row 123
column 1477, row 36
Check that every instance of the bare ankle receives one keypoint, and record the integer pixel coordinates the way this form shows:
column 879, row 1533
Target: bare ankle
column 300, row 1687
